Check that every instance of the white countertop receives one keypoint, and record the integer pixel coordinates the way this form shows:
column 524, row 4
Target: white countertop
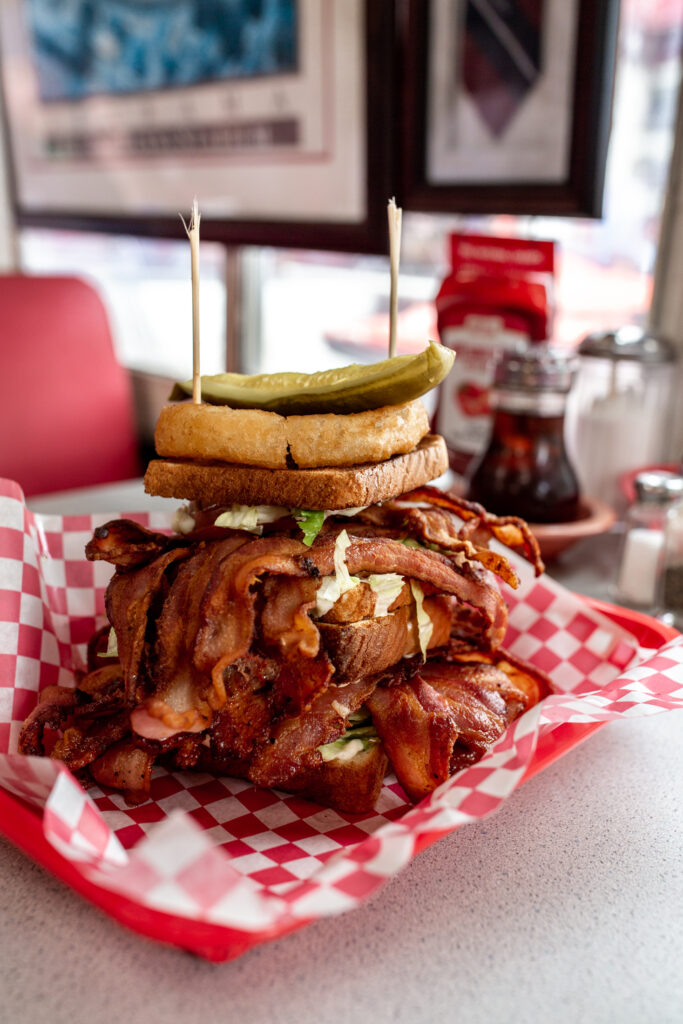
column 565, row 906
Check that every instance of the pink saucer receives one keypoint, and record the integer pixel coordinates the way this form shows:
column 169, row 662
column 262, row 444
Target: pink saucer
column 553, row 538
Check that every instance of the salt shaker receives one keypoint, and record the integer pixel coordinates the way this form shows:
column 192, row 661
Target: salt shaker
column 646, row 520
column 670, row 605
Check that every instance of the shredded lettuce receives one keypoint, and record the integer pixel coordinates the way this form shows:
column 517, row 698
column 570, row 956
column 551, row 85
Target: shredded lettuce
column 425, row 626
column 410, row 543
column 112, row 650
column 311, row 523
column 341, row 750
column 346, row 511
column 356, row 739
column 311, row 520
column 326, row 595
column 332, row 587
column 344, row 578
column 250, row 517
column 386, row 587
column 183, row 520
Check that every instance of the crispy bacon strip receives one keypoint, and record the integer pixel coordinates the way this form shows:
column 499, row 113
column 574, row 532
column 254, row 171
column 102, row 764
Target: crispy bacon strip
column 533, row 684
column 477, row 698
column 301, row 678
column 509, row 530
column 127, row 544
column 101, row 692
column 449, row 715
column 292, row 746
column 245, row 718
column 227, row 613
column 383, row 554
column 434, row 526
column 128, row 767
column 55, row 708
column 285, row 622
column 418, row 733
column 179, row 619
column 79, row 746
column 128, row 601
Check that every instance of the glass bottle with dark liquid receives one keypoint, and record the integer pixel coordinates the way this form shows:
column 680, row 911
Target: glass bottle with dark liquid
column 525, row 470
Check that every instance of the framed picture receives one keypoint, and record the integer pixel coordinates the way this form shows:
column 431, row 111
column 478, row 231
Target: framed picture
column 507, row 105
column 119, row 113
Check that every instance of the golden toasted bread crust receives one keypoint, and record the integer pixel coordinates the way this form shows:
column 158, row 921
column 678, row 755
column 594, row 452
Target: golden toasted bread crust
column 217, row 483
column 360, row 602
column 253, row 437
column 349, row 786
column 372, row 645
column 372, row 436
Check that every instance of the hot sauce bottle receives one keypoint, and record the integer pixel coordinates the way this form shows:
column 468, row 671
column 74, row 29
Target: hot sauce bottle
column 525, row 470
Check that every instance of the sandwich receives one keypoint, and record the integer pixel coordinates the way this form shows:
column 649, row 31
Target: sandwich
column 319, row 615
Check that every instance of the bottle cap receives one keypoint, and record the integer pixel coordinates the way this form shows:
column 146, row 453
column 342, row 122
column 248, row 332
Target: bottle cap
column 629, row 342
column 536, row 369
column 658, row 487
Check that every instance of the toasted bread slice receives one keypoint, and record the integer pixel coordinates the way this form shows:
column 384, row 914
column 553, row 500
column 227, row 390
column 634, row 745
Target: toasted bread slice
column 221, row 483
column 360, row 602
column 371, row 645
column 254, row 437
column 349, row 786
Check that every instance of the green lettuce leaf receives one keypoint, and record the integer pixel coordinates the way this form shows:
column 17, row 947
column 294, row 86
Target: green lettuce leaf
column 311, row 523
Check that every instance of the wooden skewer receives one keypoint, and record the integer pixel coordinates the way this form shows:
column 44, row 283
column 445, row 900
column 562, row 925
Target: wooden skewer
column 394, row 213
column 193, row 234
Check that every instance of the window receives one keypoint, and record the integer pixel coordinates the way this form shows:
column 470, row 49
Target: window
column 308, row 310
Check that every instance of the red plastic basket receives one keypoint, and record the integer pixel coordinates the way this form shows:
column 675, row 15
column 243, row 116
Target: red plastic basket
column 23, row 826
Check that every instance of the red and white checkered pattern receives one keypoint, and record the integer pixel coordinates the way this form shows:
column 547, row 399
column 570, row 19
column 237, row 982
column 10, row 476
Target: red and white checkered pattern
column 261, row 862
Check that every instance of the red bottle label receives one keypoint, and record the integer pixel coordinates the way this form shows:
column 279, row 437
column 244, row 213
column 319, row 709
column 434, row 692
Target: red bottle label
column 495, row 298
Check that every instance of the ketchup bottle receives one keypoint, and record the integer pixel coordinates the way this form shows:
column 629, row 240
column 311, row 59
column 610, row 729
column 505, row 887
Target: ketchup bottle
column 525, row 470
column 497, row 297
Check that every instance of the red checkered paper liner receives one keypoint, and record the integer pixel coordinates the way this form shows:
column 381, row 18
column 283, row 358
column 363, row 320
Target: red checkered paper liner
column 256, row 862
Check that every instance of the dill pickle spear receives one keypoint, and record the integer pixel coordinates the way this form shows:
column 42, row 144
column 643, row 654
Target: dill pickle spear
column 348, row 389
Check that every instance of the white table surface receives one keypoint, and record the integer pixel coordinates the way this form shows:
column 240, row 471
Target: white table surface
column 565, row 906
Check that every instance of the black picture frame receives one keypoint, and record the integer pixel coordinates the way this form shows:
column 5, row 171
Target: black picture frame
column 580, row 191
column 368, row 235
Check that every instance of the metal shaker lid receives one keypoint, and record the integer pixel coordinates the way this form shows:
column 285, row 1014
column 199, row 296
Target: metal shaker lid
column 629, row 342
column 539, row 368
column 658, row 487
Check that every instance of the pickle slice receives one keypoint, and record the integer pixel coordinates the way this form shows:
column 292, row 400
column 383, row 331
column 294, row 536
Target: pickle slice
column 353, row 388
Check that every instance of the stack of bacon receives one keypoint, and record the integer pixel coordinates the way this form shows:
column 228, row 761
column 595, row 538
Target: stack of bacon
column 222, row 666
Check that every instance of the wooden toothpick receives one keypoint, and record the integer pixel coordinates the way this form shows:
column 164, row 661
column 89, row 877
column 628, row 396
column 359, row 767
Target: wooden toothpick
column 193, row 234
column 394, row 213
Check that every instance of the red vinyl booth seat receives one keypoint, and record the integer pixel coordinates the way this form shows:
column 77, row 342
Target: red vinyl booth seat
column 66, row 407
